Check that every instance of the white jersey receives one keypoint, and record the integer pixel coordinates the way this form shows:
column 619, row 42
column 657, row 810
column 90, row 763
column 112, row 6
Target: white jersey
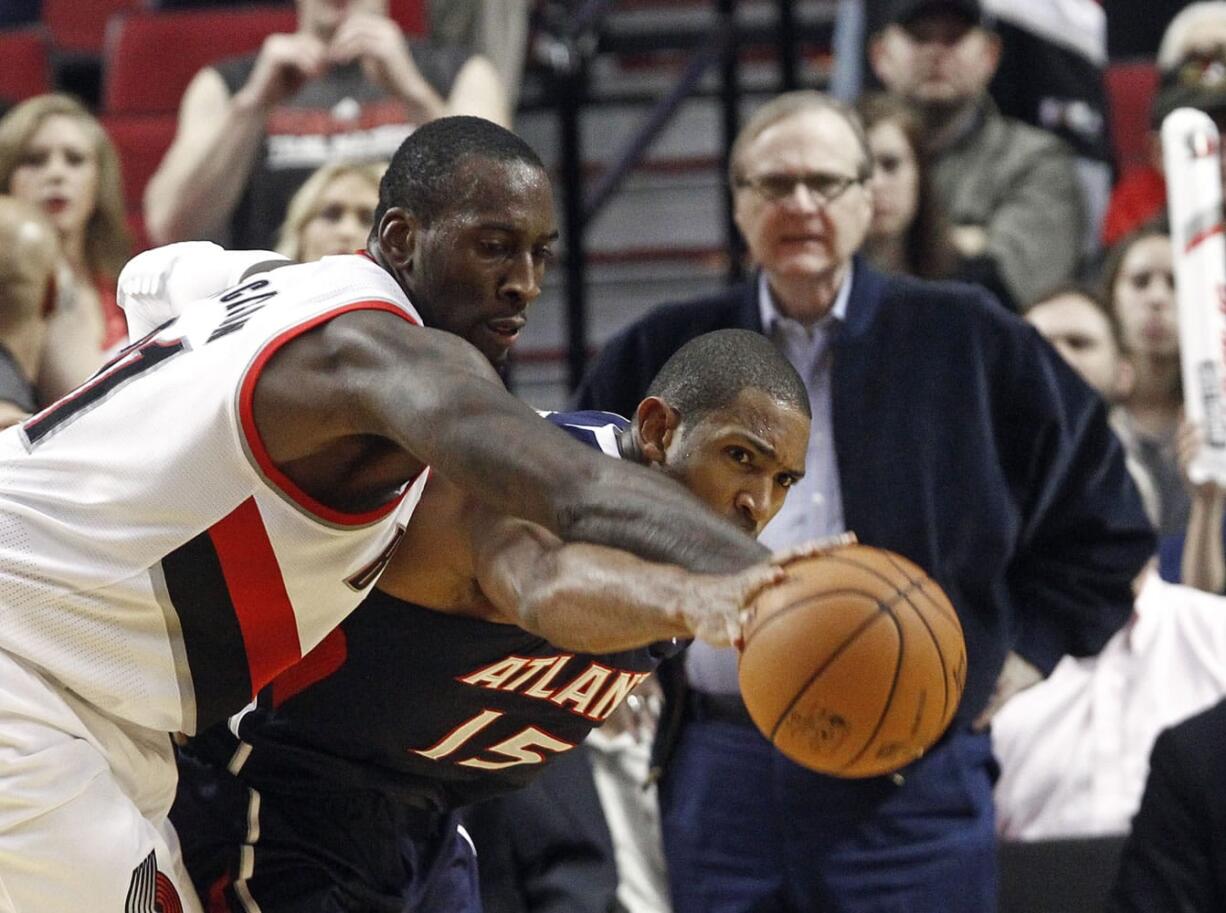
column 153, row 560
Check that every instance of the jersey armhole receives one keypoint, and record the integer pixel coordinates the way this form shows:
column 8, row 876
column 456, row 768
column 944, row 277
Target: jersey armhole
column 254, row 444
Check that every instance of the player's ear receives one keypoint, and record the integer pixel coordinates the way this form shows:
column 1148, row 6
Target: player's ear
column 398, row 231
column 655, row 421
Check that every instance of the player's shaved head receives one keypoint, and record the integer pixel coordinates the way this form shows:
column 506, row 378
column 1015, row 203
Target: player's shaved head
column 709, row 372
column 423, row 175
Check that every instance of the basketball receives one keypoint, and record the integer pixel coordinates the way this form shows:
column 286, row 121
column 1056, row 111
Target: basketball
column 854, row 664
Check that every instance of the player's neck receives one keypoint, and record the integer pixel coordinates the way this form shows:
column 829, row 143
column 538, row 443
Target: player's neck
column 628, row 446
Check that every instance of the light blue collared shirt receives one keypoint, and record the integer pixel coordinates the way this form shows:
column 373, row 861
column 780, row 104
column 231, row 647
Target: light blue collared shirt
column 814, row 506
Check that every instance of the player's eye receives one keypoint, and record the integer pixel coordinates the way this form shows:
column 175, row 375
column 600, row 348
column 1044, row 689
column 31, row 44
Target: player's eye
column 786, row 480
column 740, row 456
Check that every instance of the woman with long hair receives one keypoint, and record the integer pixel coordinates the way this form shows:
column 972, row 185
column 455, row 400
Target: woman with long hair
column 909, row 232
column 55, row 155
column 332, row 212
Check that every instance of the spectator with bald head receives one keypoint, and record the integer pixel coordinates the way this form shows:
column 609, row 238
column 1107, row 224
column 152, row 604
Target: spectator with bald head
column 29, row 254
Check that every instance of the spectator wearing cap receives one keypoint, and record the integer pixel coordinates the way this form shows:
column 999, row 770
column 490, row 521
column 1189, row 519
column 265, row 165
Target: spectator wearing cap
column 1192, row 74
column 1010, row 190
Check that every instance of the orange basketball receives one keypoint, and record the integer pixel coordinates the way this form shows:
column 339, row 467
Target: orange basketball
column 854, row 664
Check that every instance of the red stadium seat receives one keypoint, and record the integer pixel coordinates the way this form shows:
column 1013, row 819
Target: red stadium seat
column 411, row 16
column 1130, row 95
column 80, row 25
column 25, row 70
column 150, row 57
column 141, row 141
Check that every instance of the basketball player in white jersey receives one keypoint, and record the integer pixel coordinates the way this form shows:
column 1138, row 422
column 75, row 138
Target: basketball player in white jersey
column 204, row 510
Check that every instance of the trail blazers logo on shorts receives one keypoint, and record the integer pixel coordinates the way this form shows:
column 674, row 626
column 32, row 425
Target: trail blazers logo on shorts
column 150, row 891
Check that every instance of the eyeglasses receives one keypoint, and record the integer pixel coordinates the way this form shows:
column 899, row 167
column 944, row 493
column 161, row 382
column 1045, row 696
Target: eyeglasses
column 823, row 187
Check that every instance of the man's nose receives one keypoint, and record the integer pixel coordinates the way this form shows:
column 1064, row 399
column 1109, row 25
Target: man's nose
column 522, row 282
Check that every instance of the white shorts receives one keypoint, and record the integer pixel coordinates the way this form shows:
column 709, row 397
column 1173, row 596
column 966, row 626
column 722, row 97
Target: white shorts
column 83, row 806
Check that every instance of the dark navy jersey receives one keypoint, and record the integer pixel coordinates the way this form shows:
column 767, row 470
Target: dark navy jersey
column 436, row 709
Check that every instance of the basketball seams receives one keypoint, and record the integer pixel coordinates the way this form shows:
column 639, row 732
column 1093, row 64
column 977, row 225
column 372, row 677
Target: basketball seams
column 936, row 644
column 803, row 601
column 889, row 699
column 945, row 609
column 870, row 583
column 829, row 660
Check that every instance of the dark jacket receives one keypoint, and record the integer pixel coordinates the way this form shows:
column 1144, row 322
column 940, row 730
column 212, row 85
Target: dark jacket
column 1175, row 857
column 964, row 442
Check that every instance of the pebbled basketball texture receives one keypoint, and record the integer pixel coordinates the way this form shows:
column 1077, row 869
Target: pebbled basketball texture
column 854, row 664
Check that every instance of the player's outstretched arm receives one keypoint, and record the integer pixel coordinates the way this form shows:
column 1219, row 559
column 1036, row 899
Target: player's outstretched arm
column 601, row 600
column 434, row 395
column 466, row 559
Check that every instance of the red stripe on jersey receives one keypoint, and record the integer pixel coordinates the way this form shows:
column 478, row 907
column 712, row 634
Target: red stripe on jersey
column 328, row 656
column 246, row 413
column 261, row 604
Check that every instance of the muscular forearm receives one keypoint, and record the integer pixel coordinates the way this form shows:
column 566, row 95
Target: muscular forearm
column 600, row 600
column 646, row 513
column 194, row 193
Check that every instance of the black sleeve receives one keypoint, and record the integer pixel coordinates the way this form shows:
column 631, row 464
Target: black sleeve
column 1167, row 860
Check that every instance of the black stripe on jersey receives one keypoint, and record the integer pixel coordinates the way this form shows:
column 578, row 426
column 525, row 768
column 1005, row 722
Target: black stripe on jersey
column 212, row 638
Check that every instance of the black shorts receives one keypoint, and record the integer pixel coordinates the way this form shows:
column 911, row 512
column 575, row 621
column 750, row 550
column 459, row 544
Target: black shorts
column 336, row 852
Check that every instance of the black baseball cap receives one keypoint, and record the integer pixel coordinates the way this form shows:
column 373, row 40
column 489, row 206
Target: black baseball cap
column 902, row 12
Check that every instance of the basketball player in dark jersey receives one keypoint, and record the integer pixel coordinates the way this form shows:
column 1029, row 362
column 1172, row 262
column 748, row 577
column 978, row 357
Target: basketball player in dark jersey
column 488, row 649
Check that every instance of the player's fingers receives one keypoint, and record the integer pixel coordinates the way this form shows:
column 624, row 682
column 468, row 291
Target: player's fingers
column 756, row 579
column 813, row 549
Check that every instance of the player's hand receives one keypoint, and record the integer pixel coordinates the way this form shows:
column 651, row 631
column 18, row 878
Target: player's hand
column 812, row 549
column 714, row 605
column 379, row 44
column 284, row 63
column 1016, row 675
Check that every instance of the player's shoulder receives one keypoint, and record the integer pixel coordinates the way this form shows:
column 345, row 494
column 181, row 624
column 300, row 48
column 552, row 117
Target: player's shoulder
column 345, row 279
column 592, row 427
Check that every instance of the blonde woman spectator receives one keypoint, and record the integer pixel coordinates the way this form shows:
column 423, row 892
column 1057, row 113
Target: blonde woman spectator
column 55, row 155
column 332, row 212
